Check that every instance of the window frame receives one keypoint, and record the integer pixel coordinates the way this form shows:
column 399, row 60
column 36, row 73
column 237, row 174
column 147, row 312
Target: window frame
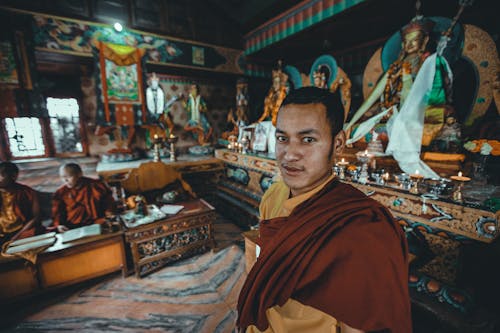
column 83, row 130
column 47, row 137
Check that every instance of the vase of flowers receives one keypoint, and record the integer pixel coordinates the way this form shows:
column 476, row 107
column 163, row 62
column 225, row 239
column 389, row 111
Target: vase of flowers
column 484, row 150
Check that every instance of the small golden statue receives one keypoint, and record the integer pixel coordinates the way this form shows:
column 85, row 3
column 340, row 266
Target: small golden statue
column 237, row 119
column 325, row 74
column 275, row 96
column 320, row 77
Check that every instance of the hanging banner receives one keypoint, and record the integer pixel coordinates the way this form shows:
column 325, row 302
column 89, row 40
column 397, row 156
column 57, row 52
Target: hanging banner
column 120, row 78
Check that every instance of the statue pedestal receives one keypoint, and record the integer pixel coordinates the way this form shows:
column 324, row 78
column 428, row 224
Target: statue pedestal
column 443, row 164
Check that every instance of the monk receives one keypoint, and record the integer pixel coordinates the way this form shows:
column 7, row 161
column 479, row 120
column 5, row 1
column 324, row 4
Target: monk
column 330, row 256
column 81, row 200
column 19, row 207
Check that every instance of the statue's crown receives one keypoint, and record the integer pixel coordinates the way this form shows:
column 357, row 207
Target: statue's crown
column 424, row 26
column 279, row 74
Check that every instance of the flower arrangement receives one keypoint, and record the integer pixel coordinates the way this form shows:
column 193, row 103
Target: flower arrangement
column 484, row 147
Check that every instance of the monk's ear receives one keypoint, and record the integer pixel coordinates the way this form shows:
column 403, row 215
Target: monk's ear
column 339, row 143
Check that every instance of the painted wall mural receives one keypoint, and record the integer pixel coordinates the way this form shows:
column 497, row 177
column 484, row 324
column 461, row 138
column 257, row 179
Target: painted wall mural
column 54, row 34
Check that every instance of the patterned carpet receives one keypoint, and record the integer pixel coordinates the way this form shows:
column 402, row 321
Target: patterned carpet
column 198, row 294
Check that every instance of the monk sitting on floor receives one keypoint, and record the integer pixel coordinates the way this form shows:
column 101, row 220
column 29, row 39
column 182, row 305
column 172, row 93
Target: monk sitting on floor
column 81, row 200
column 19, row 208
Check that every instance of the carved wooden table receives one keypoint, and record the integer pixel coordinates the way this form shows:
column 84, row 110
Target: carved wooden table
column 158, row 243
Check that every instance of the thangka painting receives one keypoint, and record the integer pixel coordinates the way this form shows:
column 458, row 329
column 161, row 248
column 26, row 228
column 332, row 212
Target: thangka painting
column 120, row 78
column 122, row 83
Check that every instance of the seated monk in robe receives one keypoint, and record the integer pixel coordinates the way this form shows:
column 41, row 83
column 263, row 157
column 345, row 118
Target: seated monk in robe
column 19, row 208
column 81, row 200
column 330, row 256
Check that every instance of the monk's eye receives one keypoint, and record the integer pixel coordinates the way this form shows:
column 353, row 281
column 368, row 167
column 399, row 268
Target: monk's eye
column 308, row 139
column 281, row 138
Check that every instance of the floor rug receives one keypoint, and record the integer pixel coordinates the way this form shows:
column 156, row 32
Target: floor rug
column 198, row 294
column 194, row 295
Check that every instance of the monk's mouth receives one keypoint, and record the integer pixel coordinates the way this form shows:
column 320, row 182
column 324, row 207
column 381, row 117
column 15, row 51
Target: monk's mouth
column 292, row 170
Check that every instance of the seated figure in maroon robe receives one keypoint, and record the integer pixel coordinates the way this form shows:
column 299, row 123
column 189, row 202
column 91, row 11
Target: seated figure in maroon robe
column 330, row 256
column 19, row 208
column 81, row 200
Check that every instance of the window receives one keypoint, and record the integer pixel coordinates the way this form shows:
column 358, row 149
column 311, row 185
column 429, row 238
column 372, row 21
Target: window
column 65, row 125
column 60, row 134
column 25, row 137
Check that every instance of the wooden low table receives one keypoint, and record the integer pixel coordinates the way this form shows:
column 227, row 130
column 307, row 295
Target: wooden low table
column 154, row 245
column 62, row 264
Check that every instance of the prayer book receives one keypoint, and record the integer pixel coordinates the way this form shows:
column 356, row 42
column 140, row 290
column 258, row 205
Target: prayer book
column 36, row 238
column 31, row 243
column 82, row 232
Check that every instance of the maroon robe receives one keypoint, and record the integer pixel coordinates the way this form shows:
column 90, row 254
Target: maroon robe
column 85, row 205
column 339, row 252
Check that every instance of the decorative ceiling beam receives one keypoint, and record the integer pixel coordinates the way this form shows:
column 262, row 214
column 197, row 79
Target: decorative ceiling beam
column 298, row 18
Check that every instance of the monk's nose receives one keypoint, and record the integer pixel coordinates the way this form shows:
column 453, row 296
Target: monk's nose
column 292, row 152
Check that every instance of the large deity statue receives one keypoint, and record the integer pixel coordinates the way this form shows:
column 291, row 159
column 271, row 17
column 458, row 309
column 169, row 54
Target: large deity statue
column 275, row 96
column 415, row 88
column 414, row 94
column 403, row 71
column 197, row 123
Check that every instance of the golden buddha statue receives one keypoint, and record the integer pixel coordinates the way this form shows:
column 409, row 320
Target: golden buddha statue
column 400, row 102
column 275, row 96
column 323, row 68
column 401, row 73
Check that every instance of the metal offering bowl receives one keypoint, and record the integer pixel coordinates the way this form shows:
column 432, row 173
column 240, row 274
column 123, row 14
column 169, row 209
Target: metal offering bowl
column 404, row 180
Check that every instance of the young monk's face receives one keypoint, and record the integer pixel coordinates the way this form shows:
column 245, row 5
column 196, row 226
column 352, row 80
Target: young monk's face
column 70, row 179
column 6, row 180
column 304, row 146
